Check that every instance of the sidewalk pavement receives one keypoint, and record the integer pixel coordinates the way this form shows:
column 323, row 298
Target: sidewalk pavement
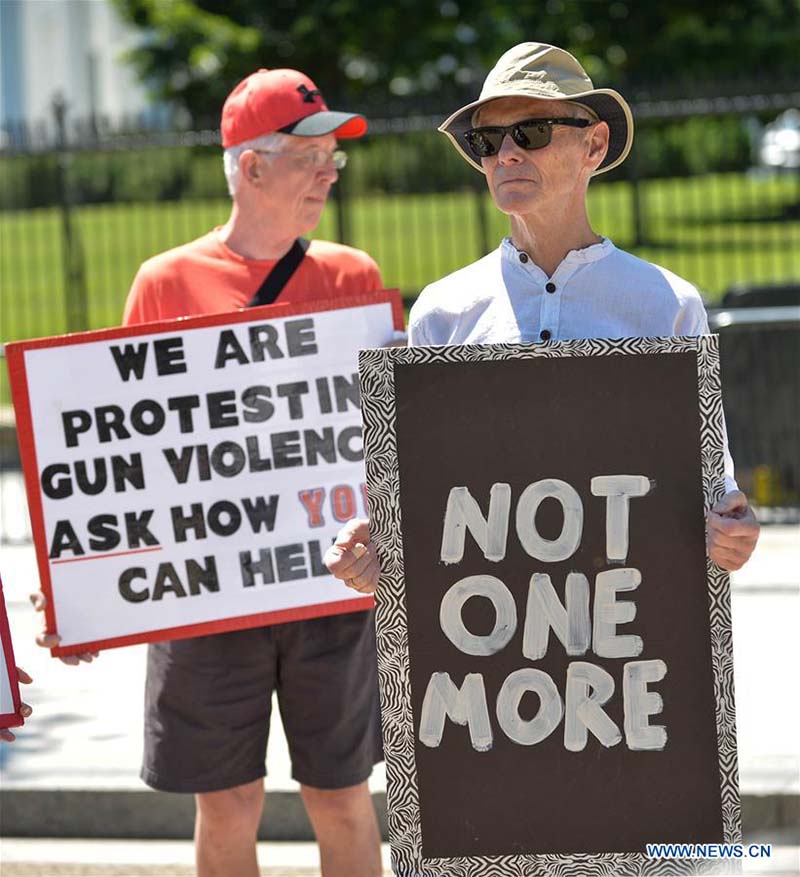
column 92, row 858
column 81, row 858
column 73, row 771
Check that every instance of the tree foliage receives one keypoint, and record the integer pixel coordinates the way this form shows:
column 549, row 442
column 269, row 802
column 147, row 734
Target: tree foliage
column 191, row 52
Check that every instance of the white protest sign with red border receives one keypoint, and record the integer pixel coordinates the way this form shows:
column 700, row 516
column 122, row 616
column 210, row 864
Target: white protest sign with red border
column 9, row 681
column 186, row 477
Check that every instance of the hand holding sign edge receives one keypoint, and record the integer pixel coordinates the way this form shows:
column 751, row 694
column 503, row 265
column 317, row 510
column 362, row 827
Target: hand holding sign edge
column 25, row 710
column 732, row 531
column 353, row 557
column 51, row 640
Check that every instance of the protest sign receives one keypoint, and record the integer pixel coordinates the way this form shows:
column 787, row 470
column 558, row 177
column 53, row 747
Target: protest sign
column 554, row 647
column 9, row 682
column 186, row 477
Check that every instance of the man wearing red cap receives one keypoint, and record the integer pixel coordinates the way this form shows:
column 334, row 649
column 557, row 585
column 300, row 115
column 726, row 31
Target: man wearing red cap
column 207, row 700
column 280, row 163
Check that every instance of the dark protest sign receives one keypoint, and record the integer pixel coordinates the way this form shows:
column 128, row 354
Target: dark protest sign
column 186, row 477
column 9, row 681
column 554, row 647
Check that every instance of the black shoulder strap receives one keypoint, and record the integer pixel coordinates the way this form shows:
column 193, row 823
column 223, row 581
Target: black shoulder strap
column 279, row 276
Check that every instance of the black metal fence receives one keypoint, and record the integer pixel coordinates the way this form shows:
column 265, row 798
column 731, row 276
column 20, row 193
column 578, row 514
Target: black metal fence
column 82, row 206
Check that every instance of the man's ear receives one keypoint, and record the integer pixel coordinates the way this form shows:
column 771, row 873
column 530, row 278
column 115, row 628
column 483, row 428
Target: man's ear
column 598, row 144
column 249, row 166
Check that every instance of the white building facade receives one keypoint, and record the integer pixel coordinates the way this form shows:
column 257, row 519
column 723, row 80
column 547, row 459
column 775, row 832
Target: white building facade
column 70, row 47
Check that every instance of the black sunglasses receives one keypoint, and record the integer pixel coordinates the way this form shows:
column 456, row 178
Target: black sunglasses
column 528, row 134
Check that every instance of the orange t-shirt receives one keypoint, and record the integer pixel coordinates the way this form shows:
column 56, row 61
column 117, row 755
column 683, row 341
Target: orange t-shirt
column 207, row 277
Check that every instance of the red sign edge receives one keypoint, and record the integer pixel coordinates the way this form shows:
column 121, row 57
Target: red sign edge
column 9, row 720
column 223, row 625
column 242, row 315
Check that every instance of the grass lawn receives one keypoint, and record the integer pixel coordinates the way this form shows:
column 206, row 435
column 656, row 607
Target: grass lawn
column 715, row 230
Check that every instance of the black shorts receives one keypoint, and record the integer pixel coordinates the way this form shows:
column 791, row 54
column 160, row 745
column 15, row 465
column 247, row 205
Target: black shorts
column 208, row 699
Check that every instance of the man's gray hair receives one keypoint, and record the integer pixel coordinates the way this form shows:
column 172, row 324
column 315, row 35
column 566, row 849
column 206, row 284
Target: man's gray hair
column 274, row 142
column 576, row 110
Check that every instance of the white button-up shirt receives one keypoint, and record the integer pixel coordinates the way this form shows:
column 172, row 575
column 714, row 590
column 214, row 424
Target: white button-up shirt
column 596, row 292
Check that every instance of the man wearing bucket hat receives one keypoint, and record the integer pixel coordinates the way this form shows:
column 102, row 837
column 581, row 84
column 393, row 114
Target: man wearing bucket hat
column 539, row 132
column 208, row 700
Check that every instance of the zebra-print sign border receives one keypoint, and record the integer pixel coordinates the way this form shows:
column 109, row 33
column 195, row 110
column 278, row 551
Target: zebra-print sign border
column 378, row 408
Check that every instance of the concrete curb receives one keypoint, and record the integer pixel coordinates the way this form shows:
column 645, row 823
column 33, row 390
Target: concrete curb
column 98, row 814
column 95, row 814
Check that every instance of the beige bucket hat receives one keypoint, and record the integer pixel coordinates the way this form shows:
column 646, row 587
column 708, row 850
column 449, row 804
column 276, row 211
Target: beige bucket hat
column 546, row 72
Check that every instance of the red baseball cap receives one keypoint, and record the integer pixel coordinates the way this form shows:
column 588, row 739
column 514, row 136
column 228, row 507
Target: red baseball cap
column 286, row 101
